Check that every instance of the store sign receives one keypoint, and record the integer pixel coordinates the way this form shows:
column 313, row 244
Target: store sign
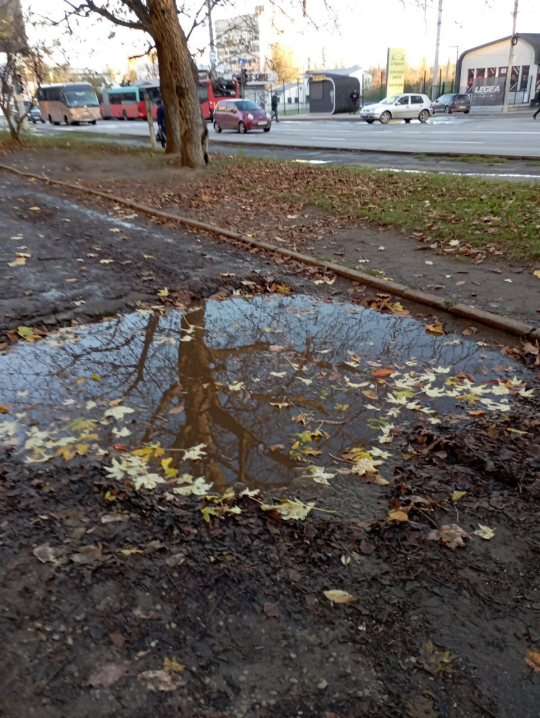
column 12, row 34
column 395, row 71
column 488, row 91
column 318, row 78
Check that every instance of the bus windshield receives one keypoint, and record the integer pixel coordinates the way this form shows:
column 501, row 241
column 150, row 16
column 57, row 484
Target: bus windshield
column 81, row 98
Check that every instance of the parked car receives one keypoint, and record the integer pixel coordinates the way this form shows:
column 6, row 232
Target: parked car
column 399, row 107
column 34, row 115
column 240, row 115
column 452, row 103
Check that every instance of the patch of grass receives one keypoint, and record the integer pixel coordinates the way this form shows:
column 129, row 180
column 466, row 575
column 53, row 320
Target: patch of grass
column 473, row 210
column 67, row 141
column 420, row 157
column 533, row 163
column 478, row 160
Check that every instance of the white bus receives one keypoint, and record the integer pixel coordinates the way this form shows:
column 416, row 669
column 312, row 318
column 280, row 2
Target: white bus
column 71, row 102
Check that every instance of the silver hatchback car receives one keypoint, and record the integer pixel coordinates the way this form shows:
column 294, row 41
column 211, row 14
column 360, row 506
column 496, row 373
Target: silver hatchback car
column 399, row 107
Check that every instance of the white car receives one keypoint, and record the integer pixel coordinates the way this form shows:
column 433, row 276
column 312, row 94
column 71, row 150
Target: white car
column 399, row 107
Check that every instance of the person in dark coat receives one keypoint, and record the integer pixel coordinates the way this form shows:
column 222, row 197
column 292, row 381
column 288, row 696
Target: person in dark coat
column 355, row 98
column 537, row 99
column 275, row 106
column 162, row 133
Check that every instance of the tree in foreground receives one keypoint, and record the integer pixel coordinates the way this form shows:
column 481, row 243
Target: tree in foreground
column 187, row 134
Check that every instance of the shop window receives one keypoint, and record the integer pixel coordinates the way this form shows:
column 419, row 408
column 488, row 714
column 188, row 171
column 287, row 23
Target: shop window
column 514, row 77
column 524, row 78
column 503, row 71
column 492, row 72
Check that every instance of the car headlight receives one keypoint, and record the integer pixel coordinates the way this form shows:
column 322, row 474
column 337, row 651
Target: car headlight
column 250, row 116
column 268, row 116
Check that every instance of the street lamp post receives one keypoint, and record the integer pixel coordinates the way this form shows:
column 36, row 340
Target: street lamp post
column 510, row 58
column 437, row 45
column 213, row 56
column 456, row 84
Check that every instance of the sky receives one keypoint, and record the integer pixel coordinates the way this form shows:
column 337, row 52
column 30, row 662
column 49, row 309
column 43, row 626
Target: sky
column 366, row 28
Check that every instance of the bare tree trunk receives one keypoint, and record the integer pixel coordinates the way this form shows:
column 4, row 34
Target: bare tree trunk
column 178, row 85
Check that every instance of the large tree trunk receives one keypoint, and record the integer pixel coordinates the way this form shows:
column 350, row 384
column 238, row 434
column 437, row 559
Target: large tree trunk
column 186, row 128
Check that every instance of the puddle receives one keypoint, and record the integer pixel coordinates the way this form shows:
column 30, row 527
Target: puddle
column 272, row 390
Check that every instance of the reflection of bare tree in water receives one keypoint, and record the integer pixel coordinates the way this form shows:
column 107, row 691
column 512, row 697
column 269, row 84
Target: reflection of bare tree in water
column 206, row 420
column 291, row 349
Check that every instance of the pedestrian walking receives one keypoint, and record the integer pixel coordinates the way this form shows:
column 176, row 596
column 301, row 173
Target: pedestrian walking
column 162, row 131
column 537, row 99
column 275, row 106
column 355, row 98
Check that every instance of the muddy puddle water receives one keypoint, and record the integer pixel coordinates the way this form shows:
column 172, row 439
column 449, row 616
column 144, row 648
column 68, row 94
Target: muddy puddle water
column 268, row 391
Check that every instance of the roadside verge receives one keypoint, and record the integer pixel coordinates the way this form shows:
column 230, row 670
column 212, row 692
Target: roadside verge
column 486, row 318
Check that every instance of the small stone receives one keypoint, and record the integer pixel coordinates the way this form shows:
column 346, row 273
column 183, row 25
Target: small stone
column 322, row 684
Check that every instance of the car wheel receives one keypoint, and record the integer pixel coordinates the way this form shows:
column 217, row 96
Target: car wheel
column 447, row 110
column 423, row 116
column 370, row 122
column 42, row 120
column 385, row 118
column 124, row 115
column 408, row 122
column 242, row 129
column 466, row 112
column 217, row 127
column 94, row 122
column 267, row 129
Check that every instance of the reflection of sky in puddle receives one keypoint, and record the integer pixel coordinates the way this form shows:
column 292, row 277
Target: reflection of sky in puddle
column 241, row 357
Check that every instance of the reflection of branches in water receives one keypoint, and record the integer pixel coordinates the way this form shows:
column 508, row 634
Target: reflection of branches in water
column 143, row 360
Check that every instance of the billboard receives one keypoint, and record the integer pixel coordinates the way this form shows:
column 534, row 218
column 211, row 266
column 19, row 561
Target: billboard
column 395, row 70
column 12, row 34
column 488, row 91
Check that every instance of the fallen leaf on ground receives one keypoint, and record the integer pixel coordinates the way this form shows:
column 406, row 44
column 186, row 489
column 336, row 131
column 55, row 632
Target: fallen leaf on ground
column 484, row 532
column 35, row 209
column 532, row 659
column 290, row 510
column 457, row 495
column 399, row 516
column 436, row 329
column 537, row 273
column 435, row 661
column 382, row 372
column 339, row 596
column 469, row 331
column 159, row 681
column 28, row 334
column 171, row 665
column 450, row 535
column 163, row 292
column 106, row 675
column 45, row 553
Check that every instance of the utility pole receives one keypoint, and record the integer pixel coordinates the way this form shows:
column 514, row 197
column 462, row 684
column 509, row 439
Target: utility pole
column 456, row 81
column 510, row 58
column 213, row 55
column 437, row 45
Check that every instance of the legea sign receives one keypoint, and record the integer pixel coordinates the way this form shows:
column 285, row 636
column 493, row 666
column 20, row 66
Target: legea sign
column 488, row 90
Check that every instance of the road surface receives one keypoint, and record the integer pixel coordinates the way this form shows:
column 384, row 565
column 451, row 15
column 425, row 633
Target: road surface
column 517, row 136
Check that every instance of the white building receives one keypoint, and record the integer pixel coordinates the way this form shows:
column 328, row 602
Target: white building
column 238, row 42
column 481, row 71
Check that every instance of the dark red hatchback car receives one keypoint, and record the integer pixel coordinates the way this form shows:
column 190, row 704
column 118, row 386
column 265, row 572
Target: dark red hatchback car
column 240, row 115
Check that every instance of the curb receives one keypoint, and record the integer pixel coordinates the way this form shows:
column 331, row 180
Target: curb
column 505, row 324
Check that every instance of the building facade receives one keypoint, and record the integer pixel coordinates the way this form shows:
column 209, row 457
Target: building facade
column 238, row 42
column 481, row 71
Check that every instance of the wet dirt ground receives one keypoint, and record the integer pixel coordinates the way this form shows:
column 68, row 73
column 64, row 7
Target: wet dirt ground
column 493, row 283
column 126, row 592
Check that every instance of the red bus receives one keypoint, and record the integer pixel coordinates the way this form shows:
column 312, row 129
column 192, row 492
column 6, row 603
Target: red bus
column 213, row 90
column 129, row 103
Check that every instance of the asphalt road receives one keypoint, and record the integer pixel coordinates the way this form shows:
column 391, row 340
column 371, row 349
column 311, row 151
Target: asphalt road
column 515, row 135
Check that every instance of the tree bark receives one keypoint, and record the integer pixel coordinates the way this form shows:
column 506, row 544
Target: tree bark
column 186, row 128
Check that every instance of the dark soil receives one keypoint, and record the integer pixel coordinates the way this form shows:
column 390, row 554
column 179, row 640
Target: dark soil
column 101, row 585
column 239, row 603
